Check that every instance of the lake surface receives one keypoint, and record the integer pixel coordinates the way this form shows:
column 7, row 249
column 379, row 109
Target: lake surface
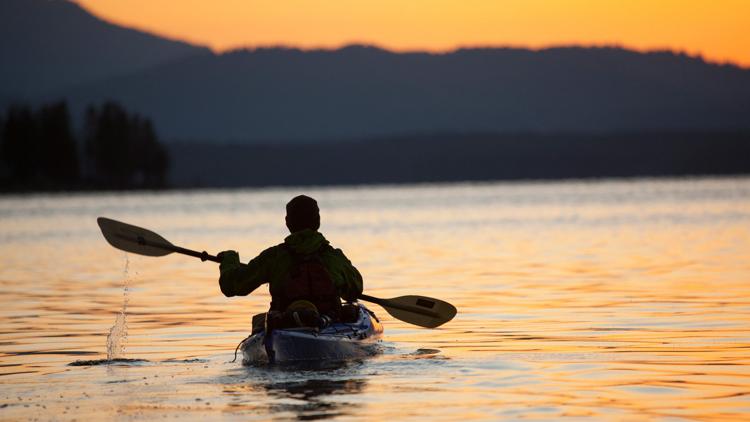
column 603, row 300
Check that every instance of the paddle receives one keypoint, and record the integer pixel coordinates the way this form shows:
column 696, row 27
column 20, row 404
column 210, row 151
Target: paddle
column 418, row 310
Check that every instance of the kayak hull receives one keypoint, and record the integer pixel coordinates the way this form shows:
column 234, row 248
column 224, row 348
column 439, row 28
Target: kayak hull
column 338, row 341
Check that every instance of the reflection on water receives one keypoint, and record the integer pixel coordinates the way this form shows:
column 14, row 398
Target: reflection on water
column 611, row 300
column 305, row 392
column 311, row 395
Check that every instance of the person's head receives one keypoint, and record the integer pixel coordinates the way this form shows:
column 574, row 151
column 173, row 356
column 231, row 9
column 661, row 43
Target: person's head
column 302, row 213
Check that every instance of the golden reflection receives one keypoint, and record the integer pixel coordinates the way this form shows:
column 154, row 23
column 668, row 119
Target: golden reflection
column 638, row 307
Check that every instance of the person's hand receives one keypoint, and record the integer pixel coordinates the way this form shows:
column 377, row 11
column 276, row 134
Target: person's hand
column 229, row 259
column 350, row 294
column 227, row 254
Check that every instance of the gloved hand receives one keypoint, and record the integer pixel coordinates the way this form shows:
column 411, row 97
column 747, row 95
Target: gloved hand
column 229, row 260
column 349, row 293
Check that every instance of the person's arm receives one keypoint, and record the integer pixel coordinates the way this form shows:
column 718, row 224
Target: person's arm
column 347, row 278
column 239, row 279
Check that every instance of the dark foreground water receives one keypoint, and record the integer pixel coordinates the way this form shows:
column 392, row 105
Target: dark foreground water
column 602, row 300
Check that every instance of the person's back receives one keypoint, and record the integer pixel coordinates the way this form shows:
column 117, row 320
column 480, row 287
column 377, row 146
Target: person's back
column 304, row 272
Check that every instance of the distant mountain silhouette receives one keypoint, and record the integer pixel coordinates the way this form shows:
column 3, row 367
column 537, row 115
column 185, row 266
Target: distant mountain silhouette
column 54, row 49
column 271, row 95
column 462, row 157
column 46, row 45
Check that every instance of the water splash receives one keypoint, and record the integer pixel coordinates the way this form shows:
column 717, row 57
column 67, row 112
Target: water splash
column 118, row 334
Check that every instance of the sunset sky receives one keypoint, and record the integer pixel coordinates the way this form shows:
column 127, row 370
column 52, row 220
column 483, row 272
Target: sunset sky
column 718, row 29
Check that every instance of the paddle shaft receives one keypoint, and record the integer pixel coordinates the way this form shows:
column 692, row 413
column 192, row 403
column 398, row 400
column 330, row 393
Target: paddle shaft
column 204, row 256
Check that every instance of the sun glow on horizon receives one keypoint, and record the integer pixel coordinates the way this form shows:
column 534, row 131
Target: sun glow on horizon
column 714, row 30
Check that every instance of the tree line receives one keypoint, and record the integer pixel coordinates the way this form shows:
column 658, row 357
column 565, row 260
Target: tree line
column 116, row 150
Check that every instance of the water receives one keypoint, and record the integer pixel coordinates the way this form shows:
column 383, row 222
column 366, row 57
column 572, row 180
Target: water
column 601, row 300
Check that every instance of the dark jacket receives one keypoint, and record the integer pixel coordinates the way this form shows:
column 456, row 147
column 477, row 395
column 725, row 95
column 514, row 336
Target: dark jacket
column 274, row 264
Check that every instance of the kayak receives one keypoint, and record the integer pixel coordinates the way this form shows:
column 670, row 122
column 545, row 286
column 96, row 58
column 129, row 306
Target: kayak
column 338, row 341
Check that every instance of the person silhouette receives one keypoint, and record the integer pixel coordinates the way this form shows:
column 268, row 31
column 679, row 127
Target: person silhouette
column 307, row 277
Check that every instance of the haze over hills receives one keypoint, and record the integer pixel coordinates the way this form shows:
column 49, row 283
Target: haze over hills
column 46, row 45
column 462, row 157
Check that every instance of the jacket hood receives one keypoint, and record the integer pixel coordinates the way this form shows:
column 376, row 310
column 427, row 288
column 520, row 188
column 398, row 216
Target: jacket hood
column 305, row 241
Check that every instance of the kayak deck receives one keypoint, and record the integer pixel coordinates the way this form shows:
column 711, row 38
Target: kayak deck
column 338, row 341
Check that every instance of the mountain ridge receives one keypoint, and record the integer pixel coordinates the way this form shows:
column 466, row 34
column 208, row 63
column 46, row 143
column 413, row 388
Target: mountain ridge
column 289, row 94
column 46, row 45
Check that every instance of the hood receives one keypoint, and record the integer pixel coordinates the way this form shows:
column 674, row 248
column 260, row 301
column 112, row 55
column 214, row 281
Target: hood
column 305, row 241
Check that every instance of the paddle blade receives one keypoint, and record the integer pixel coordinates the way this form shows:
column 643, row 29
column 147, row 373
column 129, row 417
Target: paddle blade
column 134, row 239
column 419, row 310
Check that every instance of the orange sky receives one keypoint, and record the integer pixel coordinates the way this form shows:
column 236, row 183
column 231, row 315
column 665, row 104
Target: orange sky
column 717, row 29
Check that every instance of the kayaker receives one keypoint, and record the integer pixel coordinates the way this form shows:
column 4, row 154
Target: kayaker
column 307, row 277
